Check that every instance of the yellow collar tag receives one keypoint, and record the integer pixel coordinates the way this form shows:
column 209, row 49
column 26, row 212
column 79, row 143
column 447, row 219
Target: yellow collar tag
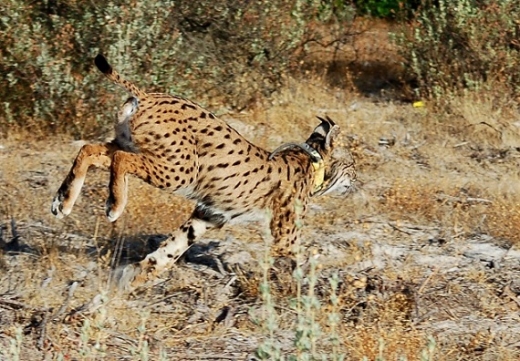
column 317, row 162
column 319, row 176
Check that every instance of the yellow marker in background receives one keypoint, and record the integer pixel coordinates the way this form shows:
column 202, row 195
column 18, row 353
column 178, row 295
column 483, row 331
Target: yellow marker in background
column 418, row 104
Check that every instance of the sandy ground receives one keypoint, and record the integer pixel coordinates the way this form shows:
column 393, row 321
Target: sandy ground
column 414, row 257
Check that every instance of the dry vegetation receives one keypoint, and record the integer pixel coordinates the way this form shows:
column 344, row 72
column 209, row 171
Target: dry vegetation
column 420, row 263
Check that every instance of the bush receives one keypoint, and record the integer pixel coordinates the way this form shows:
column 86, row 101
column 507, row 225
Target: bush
column 463, row 44
column 379, row 8
column 229, row 50
column 387, row 8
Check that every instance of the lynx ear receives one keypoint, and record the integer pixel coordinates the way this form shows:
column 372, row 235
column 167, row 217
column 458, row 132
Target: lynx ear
column 327, row 129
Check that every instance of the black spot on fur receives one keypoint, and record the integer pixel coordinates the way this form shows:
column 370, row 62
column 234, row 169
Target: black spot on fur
column 187, row 106
column 237, row 215
column 191, row 234
column 230, row 176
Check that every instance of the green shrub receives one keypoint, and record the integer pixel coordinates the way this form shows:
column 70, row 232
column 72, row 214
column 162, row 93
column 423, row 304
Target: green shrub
column 463, row 44
column 231, row 51
column 387, row 8
column 379, row 8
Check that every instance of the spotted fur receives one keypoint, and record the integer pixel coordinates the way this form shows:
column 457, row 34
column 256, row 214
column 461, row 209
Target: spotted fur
column 173, row 143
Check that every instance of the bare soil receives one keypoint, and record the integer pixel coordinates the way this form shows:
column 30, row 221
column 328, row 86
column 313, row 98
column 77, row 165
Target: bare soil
column 424, row 251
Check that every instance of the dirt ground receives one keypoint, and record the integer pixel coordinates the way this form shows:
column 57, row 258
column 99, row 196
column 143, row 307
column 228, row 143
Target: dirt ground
column 421, row 262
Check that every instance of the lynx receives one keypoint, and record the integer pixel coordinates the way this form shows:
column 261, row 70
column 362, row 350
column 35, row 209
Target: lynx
column 174, row 144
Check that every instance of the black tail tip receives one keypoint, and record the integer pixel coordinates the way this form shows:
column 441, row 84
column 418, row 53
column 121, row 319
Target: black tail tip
column 102, row 64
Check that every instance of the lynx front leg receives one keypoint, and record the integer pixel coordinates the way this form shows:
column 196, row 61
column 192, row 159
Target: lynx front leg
column 286, row 247
column 90, row 154
column 170, row 250
column 285, row 233
column 285, row 226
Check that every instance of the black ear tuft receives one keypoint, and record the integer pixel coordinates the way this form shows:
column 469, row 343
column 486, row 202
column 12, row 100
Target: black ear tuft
column 102, row 64
column 326, row 124
column 330, row 121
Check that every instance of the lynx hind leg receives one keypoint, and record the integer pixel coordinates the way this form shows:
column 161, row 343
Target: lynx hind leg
column 170, row 250
column 98, row 155
column 124, row 163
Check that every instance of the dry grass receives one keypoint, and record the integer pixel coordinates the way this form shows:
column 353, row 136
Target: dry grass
column 431, row 182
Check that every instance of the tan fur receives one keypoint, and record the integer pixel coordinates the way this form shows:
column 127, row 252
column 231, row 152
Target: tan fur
column 173, row 143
